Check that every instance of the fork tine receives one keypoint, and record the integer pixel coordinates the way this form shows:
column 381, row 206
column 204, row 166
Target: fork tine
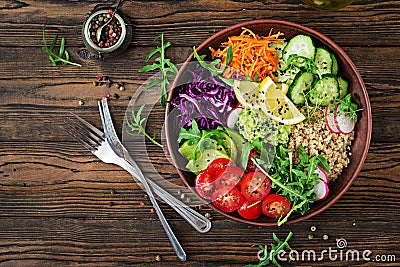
column 105, row 112
column 72, row 131
column 90, row 126
column 86, row 132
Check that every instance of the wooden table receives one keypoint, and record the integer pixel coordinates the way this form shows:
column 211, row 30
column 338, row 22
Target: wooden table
column 61, row 206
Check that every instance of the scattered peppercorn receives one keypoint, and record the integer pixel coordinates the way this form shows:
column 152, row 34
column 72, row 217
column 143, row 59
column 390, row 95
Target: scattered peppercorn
column 310, row 237
column 81, row 102
column 158, row 258
column 325, row 237
column 122, row 88
column 313, row 228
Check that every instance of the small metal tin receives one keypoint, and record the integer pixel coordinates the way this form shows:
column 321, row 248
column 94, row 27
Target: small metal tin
column 125, row 36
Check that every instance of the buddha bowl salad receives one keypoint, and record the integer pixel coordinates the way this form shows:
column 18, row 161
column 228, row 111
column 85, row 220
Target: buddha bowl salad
column 266, row 125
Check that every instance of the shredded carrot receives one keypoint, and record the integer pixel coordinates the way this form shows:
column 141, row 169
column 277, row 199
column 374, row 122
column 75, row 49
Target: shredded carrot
column 253, row 55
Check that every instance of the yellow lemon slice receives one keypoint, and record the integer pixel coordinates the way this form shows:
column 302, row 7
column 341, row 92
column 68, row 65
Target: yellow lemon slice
column 275, row 104
column 247, row 93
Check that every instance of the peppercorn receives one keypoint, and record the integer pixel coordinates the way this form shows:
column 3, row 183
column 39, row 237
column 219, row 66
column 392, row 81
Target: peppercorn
column 325, row 237
column 81, row 103
column 158, row 258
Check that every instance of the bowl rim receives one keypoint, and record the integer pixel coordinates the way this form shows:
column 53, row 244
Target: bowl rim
column 337, row 50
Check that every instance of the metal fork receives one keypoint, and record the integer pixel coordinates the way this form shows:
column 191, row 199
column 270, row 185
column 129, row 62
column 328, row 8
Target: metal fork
column 120, row 150
column 93, row 140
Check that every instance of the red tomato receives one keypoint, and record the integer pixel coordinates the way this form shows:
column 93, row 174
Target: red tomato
column 250, row 164
column 205, row 184
column 250, row 210
column 230, row 176
column 275, row 206
column 219, row 165
column 255, row 186
column 227, row 199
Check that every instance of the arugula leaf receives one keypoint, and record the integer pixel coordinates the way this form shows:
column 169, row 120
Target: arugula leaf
column 214, row 67
column 269, row 257
column 167, row 68
column 61, row 56
column 295, row 181
column 136, row 124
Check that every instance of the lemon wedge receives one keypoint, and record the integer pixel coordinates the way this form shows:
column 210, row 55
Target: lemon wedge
column 275, row 104
column 283, row 87
column 247, row 93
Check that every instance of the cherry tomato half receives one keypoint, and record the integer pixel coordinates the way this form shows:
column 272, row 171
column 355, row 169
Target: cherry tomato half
column 219, row 165
column 275, row 206
column 230, row 176
column 255, row 186
column 227, row 199
column 250, row 210
column 205, row 184
column 250, row 164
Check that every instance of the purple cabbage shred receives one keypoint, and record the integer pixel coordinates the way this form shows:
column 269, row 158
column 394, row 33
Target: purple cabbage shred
column 204, row 98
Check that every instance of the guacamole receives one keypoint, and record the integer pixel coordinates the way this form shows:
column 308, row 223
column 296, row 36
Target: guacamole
column 254, row 124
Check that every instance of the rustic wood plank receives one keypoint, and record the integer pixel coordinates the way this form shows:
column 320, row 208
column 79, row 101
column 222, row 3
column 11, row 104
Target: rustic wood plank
column 376, row 22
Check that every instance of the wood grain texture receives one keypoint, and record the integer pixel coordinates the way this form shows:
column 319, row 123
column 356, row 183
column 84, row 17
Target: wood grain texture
column 61, row 206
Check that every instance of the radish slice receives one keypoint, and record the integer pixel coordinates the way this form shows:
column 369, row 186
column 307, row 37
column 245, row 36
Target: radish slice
column 330, row 118
column 322, row 174
column 321, row 190
column 344, row 122
column 233, row 117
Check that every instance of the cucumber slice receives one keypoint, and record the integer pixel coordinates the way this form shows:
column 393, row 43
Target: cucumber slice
column 288, row 75
column 325, row 91
column 279, row 49
column 343, row 87
column 323, row 61
column 301, row 85
column 301, row 45
column 335, row 65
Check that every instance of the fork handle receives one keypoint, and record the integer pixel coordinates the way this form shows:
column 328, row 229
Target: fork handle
column 198, row 221
column 174, row 241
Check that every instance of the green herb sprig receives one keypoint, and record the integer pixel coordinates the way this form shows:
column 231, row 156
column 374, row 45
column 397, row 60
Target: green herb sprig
column 269, row 257
column 165, row 65
column 349, row 107
column 61, row 56
column 215, row 67
column 295, row 181
column 137, row 125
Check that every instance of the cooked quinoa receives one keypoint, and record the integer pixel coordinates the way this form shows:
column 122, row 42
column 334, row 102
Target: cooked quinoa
column 317, row 139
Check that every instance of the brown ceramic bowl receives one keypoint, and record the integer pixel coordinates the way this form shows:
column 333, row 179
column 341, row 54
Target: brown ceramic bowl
column 357, row 88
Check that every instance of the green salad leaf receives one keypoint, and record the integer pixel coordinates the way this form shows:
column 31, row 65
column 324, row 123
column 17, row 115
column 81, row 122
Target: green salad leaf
column 136, row 124
column 165, row 65
column 295, row 181
column 61, row 56
column 269, row 256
